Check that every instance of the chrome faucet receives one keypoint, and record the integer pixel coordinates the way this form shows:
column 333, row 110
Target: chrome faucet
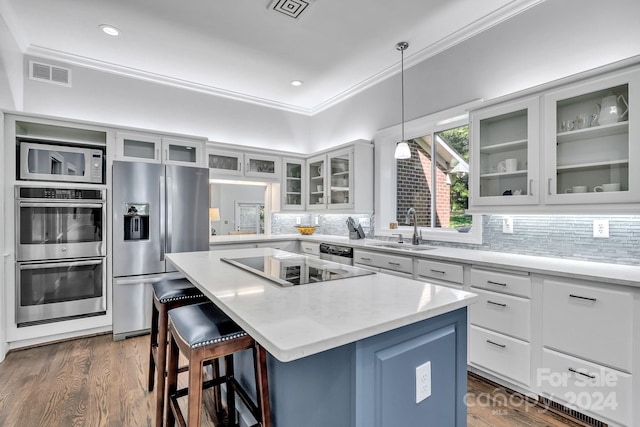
column 415, row 240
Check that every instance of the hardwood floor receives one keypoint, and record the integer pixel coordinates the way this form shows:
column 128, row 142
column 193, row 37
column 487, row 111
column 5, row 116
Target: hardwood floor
column 98, row 382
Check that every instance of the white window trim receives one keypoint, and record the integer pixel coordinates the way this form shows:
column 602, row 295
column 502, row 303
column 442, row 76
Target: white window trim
column 386, row 177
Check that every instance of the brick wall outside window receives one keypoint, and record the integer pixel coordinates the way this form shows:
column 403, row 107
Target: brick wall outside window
column 414, row 189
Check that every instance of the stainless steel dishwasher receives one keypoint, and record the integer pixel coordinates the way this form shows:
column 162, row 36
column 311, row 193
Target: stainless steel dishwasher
column 336, row 253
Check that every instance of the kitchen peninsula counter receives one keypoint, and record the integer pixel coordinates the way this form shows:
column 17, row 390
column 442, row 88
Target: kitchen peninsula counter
column 345, row 352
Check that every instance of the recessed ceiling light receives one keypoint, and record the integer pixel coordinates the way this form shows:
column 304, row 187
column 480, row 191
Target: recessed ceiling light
column 109, row 29
column 296, row 82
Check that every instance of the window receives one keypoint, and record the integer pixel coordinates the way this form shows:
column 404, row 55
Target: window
column 439, row 190
column 434, row 181
column 250, row 217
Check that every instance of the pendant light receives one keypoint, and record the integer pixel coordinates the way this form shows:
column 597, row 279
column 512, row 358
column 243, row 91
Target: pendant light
column 402, row 147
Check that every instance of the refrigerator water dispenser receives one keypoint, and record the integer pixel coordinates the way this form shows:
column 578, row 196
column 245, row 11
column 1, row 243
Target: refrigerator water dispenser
column 136, row 221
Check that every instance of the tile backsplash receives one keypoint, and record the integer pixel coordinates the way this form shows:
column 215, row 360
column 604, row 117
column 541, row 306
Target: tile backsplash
column 559, row 236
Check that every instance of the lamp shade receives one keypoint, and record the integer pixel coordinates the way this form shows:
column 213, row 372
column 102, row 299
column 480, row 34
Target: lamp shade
column 214, row 214
column 402, row 150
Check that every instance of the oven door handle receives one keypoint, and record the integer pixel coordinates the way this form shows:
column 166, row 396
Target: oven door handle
column 61, row 205
column 60, row 264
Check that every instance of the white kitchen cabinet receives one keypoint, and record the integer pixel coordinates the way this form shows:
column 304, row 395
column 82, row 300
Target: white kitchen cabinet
column 341, row 180
column 310, row 248
column 224, row 162
column 444, row 273
column 500, row 354
column 585, row 151
column 262, row 166
column 390, row 264
column 505, row 154
column 140, row 147
column 294, row 183
column 500, row 333
column 590, row 322
column 596, row 390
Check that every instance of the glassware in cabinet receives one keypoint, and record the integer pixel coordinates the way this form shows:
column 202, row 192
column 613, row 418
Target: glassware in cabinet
column 340, row 178
column 316, row 183
column 504, row 153
column 593, row 158
column 293, row 181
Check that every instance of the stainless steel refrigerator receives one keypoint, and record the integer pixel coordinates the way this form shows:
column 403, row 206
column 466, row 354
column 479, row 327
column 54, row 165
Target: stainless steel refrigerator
column 157, row 209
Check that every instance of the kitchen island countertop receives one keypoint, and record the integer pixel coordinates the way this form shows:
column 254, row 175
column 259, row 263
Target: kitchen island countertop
column 295, row 322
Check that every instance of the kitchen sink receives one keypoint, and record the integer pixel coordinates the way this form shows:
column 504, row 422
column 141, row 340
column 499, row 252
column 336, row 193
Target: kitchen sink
column 403, row 246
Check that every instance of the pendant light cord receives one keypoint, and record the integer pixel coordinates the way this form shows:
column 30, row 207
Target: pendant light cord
column 402, row 85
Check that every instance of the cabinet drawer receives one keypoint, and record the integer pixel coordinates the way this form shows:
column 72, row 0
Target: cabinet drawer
column 310, row 248
column 501, row 282
column 383, row 261
column 589, row 322
column 587, row 386
column 440, row 270
column 500, row 354
column 502, row 313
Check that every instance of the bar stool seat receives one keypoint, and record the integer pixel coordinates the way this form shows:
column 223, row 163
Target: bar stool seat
column 202, row 332
column 167, row 295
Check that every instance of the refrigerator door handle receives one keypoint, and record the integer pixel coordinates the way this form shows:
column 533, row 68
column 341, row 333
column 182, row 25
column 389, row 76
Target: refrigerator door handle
column 169, row 212
column 162, row 218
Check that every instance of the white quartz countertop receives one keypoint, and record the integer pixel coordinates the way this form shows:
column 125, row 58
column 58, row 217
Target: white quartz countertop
column 627, row 275
column 298, row 321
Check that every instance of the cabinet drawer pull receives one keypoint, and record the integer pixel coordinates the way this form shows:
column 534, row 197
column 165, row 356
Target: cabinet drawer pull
column 581, row 373
column 496, row 344
column 438, row 271
column 307, row 249
column 496, row 303
column 491, row 282
column 365, row 259
column 579, row 297
column 394, row 263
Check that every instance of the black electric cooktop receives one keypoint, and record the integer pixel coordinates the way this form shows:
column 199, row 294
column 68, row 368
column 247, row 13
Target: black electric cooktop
column 293, row 269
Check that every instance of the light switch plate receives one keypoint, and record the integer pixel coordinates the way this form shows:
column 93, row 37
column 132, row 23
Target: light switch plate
column 298, row 220
column 601, row 228
column 423, row 382
column 364, row 222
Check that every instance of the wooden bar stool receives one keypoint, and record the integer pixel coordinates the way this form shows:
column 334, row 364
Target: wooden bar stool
column 167, row 295
column 202, row 332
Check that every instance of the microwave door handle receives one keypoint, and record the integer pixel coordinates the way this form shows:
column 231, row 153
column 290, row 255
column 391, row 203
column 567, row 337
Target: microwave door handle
column 60, row 264
column 162, row 218
column 169, row 213
column 61, row 205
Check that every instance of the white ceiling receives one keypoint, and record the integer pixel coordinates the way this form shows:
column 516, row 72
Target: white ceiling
column 243, row 50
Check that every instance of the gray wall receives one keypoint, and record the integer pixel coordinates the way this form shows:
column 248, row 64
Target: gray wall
column 552, row 40
column 11, row 75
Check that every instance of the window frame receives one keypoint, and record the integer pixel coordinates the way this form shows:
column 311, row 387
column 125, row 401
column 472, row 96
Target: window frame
column 386, row 175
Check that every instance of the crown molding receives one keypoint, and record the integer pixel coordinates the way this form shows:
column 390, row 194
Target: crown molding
column 488, row 21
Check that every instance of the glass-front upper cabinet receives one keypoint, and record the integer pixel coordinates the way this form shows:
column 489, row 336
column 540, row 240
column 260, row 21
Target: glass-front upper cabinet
column 340, row 179
column 592, row 149
column 183, row 152
column 138, row 147
column 293, row 184
column 141, row 147
column 260, row 166
column 504, row 154
column 316, row 183
column 222, row 162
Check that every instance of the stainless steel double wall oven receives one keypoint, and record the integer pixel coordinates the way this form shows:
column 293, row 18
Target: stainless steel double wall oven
column 60, row 253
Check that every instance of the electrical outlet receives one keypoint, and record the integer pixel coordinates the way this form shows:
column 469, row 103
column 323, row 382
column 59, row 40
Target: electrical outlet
column 423, row 382
column 298, row 220
column 601, row 228
column 507, row 225
column 364, row 222
column 317, row 220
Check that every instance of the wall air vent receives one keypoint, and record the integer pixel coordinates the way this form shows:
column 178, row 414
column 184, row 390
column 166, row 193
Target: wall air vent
column 49, row 73
column 290, row 8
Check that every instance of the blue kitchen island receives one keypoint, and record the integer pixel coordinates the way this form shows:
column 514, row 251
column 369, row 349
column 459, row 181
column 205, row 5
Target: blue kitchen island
column 368, row 351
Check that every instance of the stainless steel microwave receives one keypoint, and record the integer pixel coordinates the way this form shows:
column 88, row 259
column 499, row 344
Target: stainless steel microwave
column 48, row 162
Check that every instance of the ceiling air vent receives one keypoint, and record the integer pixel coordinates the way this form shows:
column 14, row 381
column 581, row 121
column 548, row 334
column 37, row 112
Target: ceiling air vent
column 291, row 8
column 49, row 73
